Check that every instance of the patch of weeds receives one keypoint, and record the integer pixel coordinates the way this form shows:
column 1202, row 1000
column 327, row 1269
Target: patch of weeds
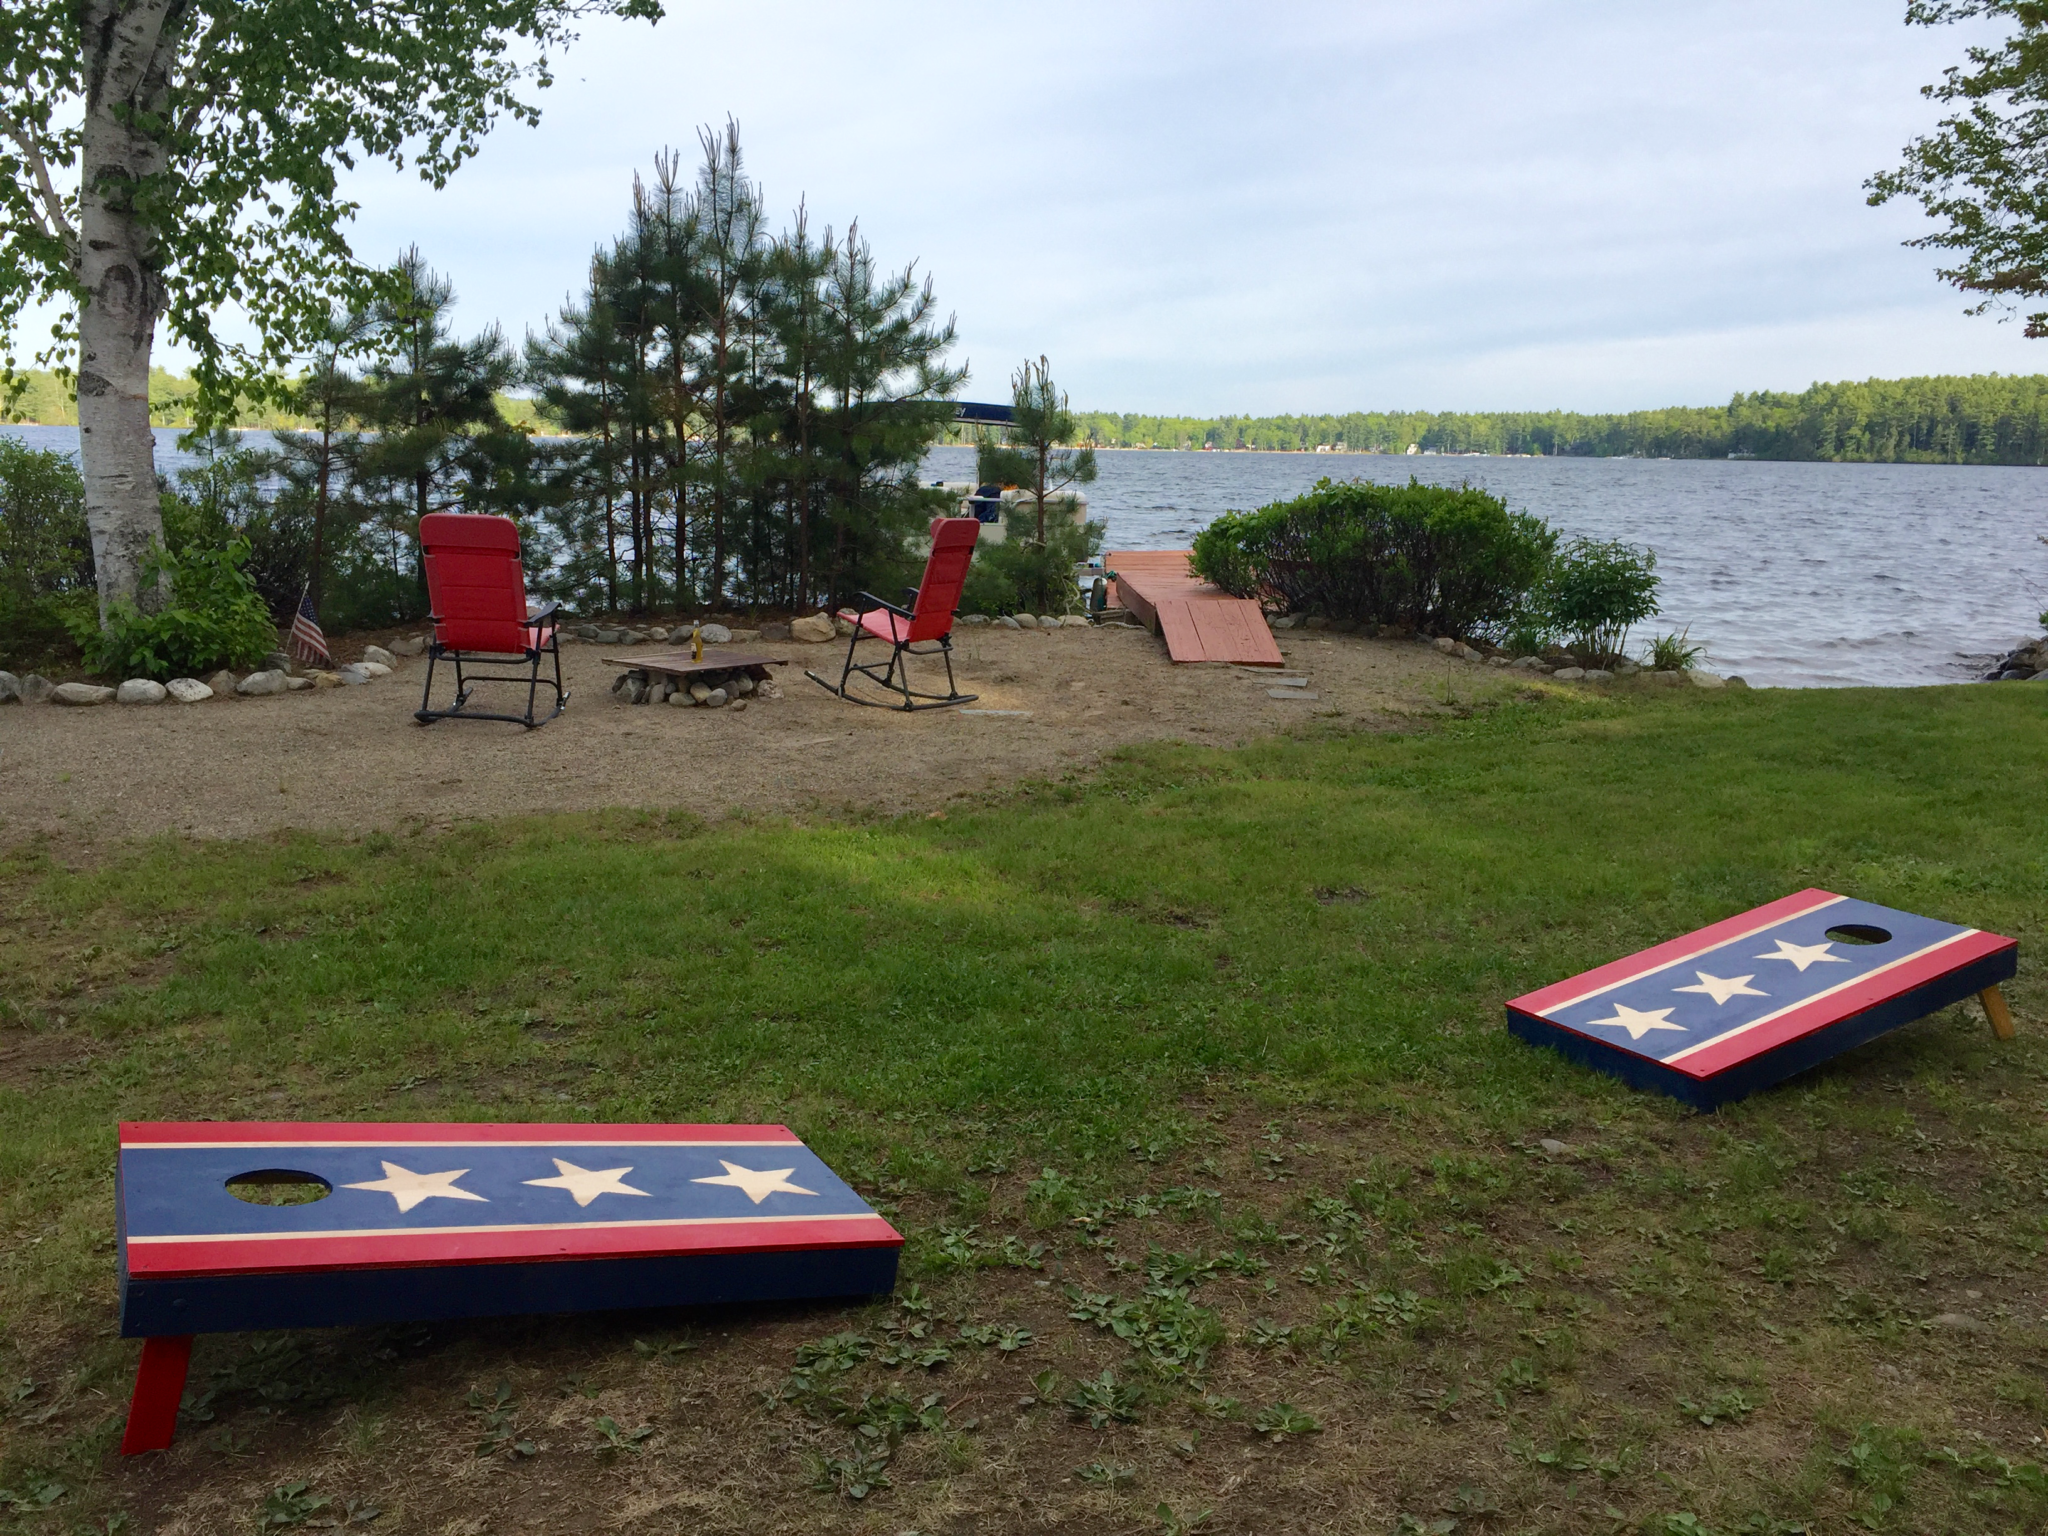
column 670, row 1349
column 1422, row 1525
column 1282, row 1420
column 498, row 1414
column 1519, row 1375
column 611, row 1438
column 860, row 1472
column 1466, row 1272
column 1565, row 1458
column 1171, row 1524
column 1108, row 1474
column 1178, row 1269
column 1993, row 1477
column 1104, row 1401
column 1229, row 1409
column 1728, row 1408
column 1046, row 1384
column 1055, row 1191
column 37, row 1492
column 839, row 1352
column 1173, row 1334
column 955, row 1248
column 1879, row 1462
column 292, row 1504
column 891, row 1414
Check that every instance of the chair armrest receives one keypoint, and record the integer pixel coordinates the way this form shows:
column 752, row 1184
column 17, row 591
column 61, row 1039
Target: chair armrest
column 870, row 601
column 541, row 614
column 910, row 596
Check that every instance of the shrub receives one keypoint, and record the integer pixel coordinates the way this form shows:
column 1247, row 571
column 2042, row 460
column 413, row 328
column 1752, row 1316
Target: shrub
column 215, row 618
column 1020, row 573
column 1422, row 556
column 46, row 570
column 1674, row 653
column 1595, row 591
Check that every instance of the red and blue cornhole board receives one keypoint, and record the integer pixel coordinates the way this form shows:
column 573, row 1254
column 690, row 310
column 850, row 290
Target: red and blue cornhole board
column 428, row 1222
column 1754, row 999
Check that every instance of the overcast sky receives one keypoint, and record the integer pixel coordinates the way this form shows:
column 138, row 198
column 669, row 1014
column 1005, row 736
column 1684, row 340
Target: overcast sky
column 1202, row 208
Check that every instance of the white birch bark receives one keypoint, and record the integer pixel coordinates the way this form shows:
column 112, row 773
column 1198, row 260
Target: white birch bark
column 127, row 48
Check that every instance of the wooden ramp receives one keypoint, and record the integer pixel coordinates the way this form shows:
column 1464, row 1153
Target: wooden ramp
column 1199, row 622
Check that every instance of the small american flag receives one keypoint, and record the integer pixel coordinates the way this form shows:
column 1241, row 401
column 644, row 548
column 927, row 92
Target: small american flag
column 308, row 644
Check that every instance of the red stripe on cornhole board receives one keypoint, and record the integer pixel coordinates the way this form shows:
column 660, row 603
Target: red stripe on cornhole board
column 392, row 1133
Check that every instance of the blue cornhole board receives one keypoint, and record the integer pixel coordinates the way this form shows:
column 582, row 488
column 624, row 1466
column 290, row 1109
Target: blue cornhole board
column 431, row 1222
column 1756, row 998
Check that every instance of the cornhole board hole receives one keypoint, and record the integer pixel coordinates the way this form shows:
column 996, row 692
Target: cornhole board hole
column 419, row 1223
column 1754, row 999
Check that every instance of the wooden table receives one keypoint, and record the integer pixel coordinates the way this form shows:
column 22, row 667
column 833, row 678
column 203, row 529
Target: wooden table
column 418, row 1223
column 683, row 664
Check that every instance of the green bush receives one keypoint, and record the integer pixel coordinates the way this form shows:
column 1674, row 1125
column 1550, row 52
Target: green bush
column 1020, row 574
column 1424, row 557
column 1594, row 591
column 46, row 570
column 215, row 618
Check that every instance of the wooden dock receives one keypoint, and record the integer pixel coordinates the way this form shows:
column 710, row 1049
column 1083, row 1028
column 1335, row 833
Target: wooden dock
column 1199, row 622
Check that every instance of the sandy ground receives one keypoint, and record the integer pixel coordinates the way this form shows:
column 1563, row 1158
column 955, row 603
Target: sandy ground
column 353, row 759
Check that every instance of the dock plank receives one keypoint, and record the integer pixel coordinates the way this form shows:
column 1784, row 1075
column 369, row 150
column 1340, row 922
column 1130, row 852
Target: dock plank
column 1198, row 622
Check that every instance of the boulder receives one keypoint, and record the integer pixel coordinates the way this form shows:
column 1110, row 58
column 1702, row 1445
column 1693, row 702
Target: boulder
column 1527, row 663
column 1665, row 679
column 1569, row 674
column 1736, row 682
column 36, row 689
column 1467, row 653
column 631, row 636
column 714, row 634
column 1282, row 621
column 326, row 680
column 2039, row 676
column 699, row 691
column 188, row 690
column 376, row 655
column 738, row 705
column 586, row 631
column 774, row 631
column 606, row 637
column 1008, row 621
column 1497, row 661
column 261, row 684
column 1596, row 675
column 298, row 684
column 414, row 645
column 812, row 629
column 842, row 626
column 140, row 690
column 681, row 699
column 81, row 694
column 637, row 689
column 1445, row 644
column 971, row 620
column 1076, row 621
column 743, row 636
column 741, row 686
column 278, row 661
column 1626, row 668
column 1552, row 1147
column 1708, row 680
column 718, row 698
column 657, row 633
column 374, row 669
column 222, row 684
column 1025, row 621
column 352, row 676
column 1315, row 621
column 10, row 688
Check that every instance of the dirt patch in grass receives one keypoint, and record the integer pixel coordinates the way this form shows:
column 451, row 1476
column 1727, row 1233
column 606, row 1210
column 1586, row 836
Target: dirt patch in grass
column 353, row 759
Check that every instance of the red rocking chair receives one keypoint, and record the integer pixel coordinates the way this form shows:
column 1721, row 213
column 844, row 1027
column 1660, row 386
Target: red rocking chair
column 929, row 623
column 478, row 595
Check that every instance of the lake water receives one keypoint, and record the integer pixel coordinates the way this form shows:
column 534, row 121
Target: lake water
column 1792, row 575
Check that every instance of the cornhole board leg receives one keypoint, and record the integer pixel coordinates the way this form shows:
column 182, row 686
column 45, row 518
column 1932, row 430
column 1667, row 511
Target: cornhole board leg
column 159, row 1384
column 1996, row 1011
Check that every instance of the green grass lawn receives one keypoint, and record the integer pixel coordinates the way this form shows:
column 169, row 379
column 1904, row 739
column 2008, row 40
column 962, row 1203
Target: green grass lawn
column 1210, row 1037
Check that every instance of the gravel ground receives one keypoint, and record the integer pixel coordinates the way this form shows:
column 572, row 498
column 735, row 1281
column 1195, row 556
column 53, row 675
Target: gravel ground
column 353, row 759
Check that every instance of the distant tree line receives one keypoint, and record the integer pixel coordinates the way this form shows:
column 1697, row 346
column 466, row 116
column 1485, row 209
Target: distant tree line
column 1982, row 419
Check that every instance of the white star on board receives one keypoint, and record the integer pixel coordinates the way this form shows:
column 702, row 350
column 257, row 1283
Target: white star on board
column 758, row 1185
column 1803, row 955
column 409, row 1188
column 586, row 1184
column 1721, row 988
column 1639, row 1022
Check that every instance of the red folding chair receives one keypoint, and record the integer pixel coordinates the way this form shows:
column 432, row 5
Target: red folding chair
column 929, row 623
column 478, row 595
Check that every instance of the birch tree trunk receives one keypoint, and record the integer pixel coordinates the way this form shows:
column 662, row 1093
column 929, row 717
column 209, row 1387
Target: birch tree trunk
column 126, row 45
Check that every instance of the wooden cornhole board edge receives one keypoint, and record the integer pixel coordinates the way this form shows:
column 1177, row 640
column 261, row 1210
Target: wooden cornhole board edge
column 681, row 664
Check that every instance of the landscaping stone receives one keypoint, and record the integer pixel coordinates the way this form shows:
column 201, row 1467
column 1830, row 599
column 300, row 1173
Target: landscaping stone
column 1047, row 621
column 1315, row 621
column 2037, row 677
column 10, row 688
column 1569, row 674
column 681, row 699
column 36, row 689
column 1009, row 621
column 188, row 690
column 1466, row 653
column 970, row 619
column 1708, row 680
column 657, row 633
column 1025, row 621
column 718, row 698
column 1528, row 663
column 222, row 684
column 742, row 685
column 1445, row 644
column 140, row 690
column 415, row 645
column 80, row 695
column 774, row 631
column 378, row 656
column 262, row 684
column 637, row 690
column 277, row 661
column 1075, row 621
column 738, row 705
column 352, row 676
column 700, row 691
column 1736, row 682
column 812, row 629
column 1596, row 675
column 631, row 636
column 842, row 626
column 326, row 680
column 374, row 669
column 744, row 636
column 1626, row 668
column 606, row 637
column 586, row 631
column 1282, row 621
column 1553, row 1146
column 1665, row 679
column 1497, row 661
column 298, row 684
column 1960, row 1322
column 714, row 634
